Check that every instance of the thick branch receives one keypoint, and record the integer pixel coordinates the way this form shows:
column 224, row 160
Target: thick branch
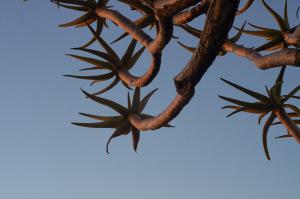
column 282, row 57
column 164, row 35
column 126, row 24
column 145, row 79
column 218, row 23
column 163, row 118
column 288, row 123
column 189, row 15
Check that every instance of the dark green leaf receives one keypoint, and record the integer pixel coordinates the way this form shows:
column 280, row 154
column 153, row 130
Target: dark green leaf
column 108, row 49
column 135, row 57
column 80, row 20
column 110, row 86
column 190, row 49
column 292, row 93
column 145, row 100
column 123, row 129
column 257, row 106
column 113, row 105
column 94, row 77
column 136, row 99
column 128, row 53
column 100, row 64
column 253, row 94
column 103, row 118
column 105, row 124
column 280, row 21
column 135, row 137
column 193, row 31
column 265, row 134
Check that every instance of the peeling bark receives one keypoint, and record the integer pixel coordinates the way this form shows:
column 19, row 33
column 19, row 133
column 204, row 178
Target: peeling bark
column 277, row 59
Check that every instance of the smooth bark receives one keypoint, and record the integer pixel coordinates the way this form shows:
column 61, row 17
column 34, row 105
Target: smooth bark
column 279, row 58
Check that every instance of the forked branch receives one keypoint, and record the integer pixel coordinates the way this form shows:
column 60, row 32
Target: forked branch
column 154, row 46
column 219, row 21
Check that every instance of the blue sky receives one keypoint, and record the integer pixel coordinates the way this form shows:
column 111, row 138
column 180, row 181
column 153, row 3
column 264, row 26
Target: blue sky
column 205, row 156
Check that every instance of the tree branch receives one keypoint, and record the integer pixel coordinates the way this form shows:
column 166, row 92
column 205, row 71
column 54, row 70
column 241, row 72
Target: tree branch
column 292, row 128
column 145, row 79
column 282, row 57
column 219, row 21
column 174, row 108
column 164, row 35
column 189, row 15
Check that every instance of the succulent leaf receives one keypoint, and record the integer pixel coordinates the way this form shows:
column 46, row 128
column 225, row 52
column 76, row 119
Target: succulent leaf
column 280, row 21
column 245, row 7
column 100, row 64
column 292, row 93
column 105, row 124
column 103, row 43
column 123, row 129
column 145, row 100
column 265, row 134
column 110, row 86
column 113, row 105
column 84, row 19
column 96, row 78
column 256, row 106
column 254, row 94
column 135, row 137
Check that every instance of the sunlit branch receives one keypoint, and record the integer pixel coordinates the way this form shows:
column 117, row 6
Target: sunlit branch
column 282, row 57
column 292, row 128
column 164, row 35
column 217, row 24
column 189, row 15
column 145, row 79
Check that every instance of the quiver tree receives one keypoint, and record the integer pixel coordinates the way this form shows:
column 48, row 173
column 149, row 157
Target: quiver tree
column 162, row 15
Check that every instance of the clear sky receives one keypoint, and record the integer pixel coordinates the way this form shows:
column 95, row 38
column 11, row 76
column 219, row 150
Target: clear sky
column 206, row 156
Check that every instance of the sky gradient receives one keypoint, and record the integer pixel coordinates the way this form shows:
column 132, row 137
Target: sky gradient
column 206, row 155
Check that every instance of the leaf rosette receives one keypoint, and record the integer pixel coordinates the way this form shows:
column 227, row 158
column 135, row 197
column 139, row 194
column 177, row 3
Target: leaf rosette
column 120, row 123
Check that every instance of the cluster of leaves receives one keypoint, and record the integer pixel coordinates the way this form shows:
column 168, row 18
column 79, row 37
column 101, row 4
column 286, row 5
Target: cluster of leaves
column 121, row 122
column 265, row 105
column 109, row 61
column 89, row 17
column 275, row 38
